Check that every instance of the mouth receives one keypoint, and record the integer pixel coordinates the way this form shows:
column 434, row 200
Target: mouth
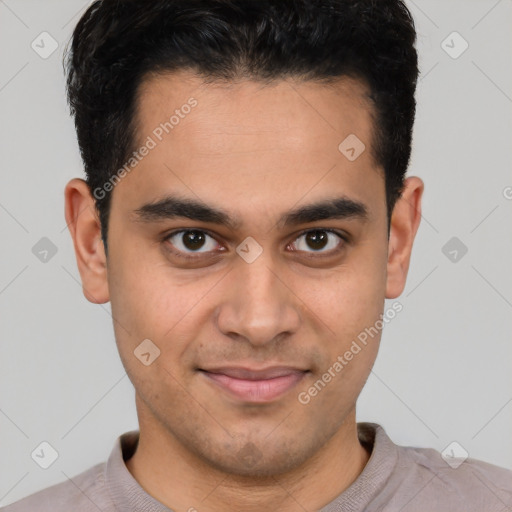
column 255, row 386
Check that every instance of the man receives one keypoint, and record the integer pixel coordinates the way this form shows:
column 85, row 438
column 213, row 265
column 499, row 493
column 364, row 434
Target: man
column 246, row 213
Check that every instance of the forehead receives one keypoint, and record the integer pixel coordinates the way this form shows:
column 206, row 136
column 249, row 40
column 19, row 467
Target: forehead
column 284, row 106
column 242, row 141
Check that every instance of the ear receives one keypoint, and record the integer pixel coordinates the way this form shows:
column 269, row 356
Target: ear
column 84, row 226
column 405, row 220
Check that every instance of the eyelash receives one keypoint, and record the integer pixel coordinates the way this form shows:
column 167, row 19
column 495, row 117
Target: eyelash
column 343, row 237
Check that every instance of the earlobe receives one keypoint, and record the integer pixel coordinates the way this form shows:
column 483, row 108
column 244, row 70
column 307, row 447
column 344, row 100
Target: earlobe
column 84, row 226
column 405, row 221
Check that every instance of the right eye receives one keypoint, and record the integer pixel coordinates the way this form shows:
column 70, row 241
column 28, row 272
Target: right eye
column 187, row 242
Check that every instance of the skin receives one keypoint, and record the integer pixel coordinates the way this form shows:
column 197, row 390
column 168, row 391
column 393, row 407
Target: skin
column 256, row 151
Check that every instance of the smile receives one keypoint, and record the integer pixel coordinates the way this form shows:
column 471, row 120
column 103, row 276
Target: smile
column 255, row 386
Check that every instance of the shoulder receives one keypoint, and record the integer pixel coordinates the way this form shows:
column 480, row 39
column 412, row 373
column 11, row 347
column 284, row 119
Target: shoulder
column 85, row 492
column 469, row 483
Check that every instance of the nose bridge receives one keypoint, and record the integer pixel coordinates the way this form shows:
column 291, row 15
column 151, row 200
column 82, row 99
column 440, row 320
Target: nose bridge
column 259, row 306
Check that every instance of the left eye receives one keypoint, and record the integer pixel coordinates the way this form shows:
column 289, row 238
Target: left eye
column 319, row 239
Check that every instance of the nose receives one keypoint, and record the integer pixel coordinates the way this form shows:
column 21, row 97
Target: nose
column 260, row 305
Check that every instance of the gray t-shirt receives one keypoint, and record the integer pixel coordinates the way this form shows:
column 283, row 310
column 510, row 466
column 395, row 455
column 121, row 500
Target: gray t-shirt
column 395, row 479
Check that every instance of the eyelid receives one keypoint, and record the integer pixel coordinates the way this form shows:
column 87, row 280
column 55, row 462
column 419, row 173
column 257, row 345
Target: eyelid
column 190, row 256
column 344, row 237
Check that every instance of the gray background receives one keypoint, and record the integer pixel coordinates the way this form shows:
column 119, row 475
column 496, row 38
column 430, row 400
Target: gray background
column 444, row 369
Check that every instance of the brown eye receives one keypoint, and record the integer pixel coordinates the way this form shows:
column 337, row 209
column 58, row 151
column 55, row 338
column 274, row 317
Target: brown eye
column 191, row 241
column 317, row 240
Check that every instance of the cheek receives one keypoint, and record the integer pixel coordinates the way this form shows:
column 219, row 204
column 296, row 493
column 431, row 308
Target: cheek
column 142, row 293
column 348, row 300
column 352, row 311
column 350, row 304
column 149, row 302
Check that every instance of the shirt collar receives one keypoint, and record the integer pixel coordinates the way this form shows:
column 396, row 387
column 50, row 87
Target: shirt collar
column 127, row 494
column 372, row 480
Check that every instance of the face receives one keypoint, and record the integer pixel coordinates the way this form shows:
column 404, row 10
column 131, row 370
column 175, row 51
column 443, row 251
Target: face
column 249, row 292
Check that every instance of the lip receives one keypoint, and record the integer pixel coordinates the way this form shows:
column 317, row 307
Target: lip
column 256, row 386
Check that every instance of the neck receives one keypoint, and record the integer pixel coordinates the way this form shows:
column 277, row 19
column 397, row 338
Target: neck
column 183, row 481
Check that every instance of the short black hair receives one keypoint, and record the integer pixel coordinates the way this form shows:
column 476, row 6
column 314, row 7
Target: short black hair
column 118, row 43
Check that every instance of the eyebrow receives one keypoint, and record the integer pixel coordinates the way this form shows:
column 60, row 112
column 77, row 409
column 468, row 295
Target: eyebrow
column 171, row 207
